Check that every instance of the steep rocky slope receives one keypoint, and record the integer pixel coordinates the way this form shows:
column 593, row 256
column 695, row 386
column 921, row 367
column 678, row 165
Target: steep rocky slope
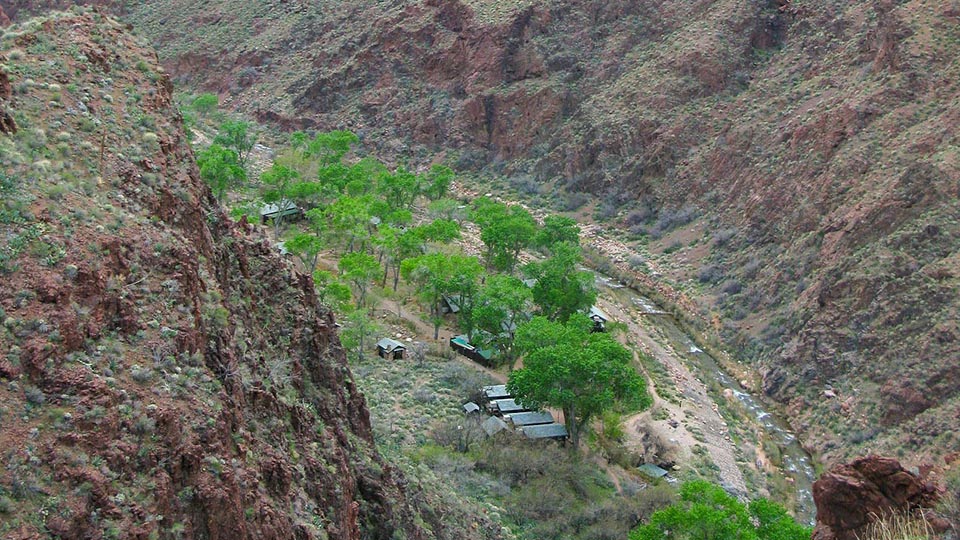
column 814, row 142
column 147, row 390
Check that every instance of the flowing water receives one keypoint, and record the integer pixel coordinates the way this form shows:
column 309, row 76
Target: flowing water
column 794, row 460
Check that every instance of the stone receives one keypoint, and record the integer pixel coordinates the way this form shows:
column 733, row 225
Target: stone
column 850, row 496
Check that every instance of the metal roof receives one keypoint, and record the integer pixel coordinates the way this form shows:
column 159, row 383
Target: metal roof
column 470, row 407
column 287, row 205
column 497, row 391
column 651, row 470
column 544, row 431
column 521, row 419
column 596, row 312
column 507, row 406
column 390, row 345
column 493, row 425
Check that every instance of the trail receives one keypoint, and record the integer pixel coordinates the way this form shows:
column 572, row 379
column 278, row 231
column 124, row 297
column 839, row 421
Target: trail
column 695, row 413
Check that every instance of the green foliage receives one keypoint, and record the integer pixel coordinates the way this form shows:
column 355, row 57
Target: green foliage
column 220, row 168
column 501, row 306
column 205, row 104
column 236, row 135
column 707, row 512
column 349, row 221
column 277, row 183
column 557, row 229
column 568, row 367
column 359, row 332
column 329, row 148
column 505, row 231
column 10, row 199
column 359, row 269
column 398, row 189
column 331, row 291
column 437, row 181
column 437, row 275
column 441, row 230
column 306, row 246
column 561, row 289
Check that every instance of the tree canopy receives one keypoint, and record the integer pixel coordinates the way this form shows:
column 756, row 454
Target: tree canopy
column 707, row 512
column 561, row 289
column 220, row 169
column 505, row 233
column 236, row 135
column 568, row 367
column 437, row 275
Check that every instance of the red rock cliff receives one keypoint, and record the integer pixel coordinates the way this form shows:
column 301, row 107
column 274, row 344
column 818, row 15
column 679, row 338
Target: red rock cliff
column 164, row 372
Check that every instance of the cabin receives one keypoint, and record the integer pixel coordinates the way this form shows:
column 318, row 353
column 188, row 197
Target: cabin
column 493, row 425
column 523, row 419
column 284, row 208
column 599, row 318
column 497, row 391
column 390, row 349
column 462, row 346
column 450, row 304
column 652, row 471
column 505, row 406
column 557, row 432
column 471, row 408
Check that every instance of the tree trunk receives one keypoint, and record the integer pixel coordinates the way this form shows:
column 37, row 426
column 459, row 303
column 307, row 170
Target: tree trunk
column 570, row 420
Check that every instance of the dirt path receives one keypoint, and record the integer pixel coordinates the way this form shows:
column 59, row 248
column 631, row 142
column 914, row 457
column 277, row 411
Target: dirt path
column 694, row 421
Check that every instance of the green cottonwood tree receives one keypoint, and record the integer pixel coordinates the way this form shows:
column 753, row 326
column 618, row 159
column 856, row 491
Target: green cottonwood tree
column 307, row 247
column 360, row 270
column 437, row 181
column 561, row 289
column 220, row 169
column 359, row 332
column 277, row 182
column 502, row 304
column 506, row 235
column 437, row 275
column 236, row 135
column 707, row 512
column 568, row 367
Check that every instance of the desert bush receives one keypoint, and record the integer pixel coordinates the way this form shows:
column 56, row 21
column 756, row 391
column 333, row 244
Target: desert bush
column 731, row 286
column 722, row 236
column 574, row 201
column 670, row 219
column 710, row 273
column 464, row 381
column 461, row 436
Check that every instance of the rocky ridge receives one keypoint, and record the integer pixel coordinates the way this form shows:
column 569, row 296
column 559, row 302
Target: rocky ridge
column 146, row 390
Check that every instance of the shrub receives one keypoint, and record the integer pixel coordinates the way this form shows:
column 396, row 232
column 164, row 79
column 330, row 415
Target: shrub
column 574, row 201
column 34, row 395
column 670, row 219
column 710, row 274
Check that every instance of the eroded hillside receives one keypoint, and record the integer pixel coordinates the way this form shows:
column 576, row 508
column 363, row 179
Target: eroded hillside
column 146, row 389
column 813, row 142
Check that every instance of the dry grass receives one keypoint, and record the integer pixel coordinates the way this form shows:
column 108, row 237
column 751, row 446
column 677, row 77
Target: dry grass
column 899, row 526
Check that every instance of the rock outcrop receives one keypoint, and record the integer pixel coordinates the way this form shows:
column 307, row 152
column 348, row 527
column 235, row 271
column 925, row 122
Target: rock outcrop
column 146, row 388
column 851, row 496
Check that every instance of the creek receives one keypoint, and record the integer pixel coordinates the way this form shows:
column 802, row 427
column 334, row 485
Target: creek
column 793, row 461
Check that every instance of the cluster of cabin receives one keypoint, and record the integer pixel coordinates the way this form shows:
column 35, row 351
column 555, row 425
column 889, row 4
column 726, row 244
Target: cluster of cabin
column 504, row 414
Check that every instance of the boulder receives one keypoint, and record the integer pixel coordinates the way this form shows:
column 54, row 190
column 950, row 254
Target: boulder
column 850, row 496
